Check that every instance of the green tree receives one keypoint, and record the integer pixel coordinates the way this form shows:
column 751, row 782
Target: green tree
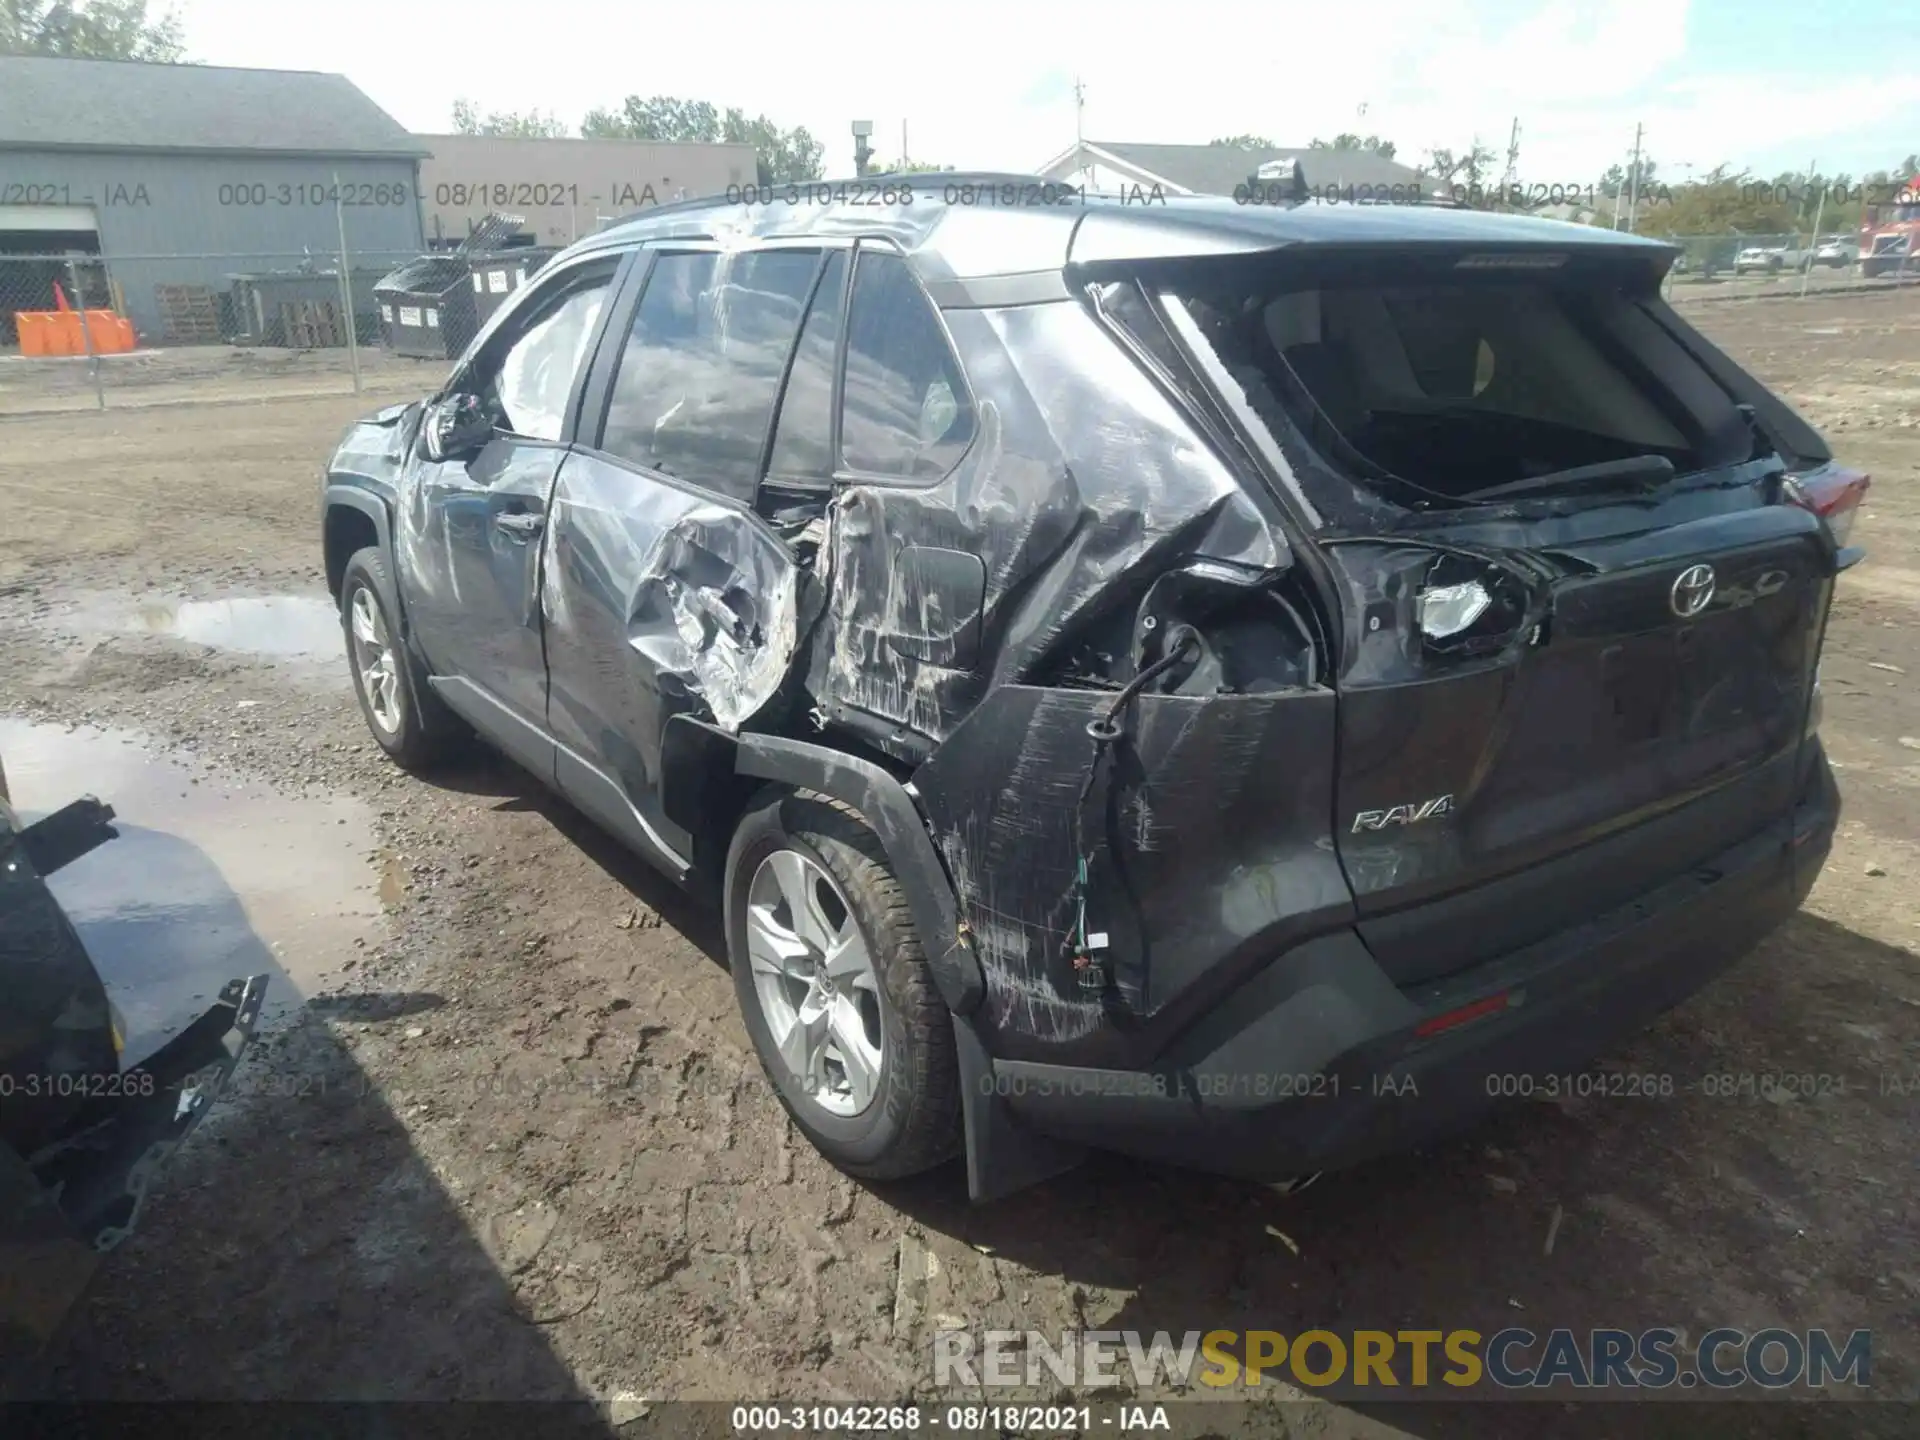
column 1722, row 202
column 1618, row 179
column 1245, row 142
column 661, row 117
column 1370, row 144
column 910, row 167
column 520, row 125
column 1472, row 167
column 89, row 30
column 781, row 154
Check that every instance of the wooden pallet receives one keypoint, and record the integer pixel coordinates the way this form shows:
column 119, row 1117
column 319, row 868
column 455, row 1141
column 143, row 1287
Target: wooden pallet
column 311, row 325
column 189, row 314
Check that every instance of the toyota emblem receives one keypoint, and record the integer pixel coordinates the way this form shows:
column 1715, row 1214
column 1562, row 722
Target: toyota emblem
column 1692, row 591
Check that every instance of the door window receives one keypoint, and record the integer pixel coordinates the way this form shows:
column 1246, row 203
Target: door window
column 694, row 392
column 906, row 412
column 803, row 435
column 529, row 388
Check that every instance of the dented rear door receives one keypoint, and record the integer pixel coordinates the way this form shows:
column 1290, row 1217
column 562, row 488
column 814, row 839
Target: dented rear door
column 663, row 592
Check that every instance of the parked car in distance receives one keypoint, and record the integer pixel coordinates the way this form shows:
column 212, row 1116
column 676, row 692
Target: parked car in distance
column 1234, row 685
column 1836, row 251
column 1760, row 259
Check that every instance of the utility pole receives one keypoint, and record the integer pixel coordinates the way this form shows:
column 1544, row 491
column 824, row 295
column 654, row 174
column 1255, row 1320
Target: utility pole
column 906, row 157
column 1508, row 180
column 1813, row 240
column 1080, row 125
column 346, row 284
column 1633, row 181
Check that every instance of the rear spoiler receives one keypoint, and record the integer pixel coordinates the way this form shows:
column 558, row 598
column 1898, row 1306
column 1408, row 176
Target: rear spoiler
column 1282, row 183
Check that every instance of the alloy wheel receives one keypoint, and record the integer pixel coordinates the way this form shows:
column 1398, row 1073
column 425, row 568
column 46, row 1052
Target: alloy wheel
column 814, row 977
column 374, row 659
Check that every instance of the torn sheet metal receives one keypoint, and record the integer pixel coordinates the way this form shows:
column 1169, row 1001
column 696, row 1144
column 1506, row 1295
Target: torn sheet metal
column 657, row 601
column 1082, row 485
column 720, row 614
column 1204, row 831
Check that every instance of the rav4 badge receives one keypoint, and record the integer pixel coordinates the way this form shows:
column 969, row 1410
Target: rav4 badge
column 1403, row 814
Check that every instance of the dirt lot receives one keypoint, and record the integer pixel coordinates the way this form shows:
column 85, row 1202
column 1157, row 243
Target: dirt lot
column 228, row 374
column 386, row 1208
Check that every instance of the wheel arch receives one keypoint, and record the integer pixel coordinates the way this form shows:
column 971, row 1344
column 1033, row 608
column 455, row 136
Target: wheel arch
column 351, row 520
column 708, row 775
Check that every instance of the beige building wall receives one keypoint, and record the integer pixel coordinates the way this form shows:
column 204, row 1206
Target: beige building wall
column 565, row 188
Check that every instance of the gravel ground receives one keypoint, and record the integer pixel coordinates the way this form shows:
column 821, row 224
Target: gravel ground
column 515, row 1146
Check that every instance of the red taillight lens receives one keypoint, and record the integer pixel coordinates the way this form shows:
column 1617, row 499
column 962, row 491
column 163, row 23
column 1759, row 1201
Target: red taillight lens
column 1834, row 494
column 1449, row 1019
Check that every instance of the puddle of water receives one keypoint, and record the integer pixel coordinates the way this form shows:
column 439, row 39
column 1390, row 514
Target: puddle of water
column 287, row 627
column 209, row 878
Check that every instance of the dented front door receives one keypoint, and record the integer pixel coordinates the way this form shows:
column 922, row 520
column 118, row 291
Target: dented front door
column 662, row 591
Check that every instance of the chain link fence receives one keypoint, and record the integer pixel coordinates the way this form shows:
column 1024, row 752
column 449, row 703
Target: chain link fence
column 92, row 331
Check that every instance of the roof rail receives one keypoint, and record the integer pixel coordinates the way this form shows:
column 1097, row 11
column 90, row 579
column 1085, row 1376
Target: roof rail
column 912, row 177
column 957, row 177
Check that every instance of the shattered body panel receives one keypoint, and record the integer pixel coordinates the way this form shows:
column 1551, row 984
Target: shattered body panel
column 1062, row 542
column 657, row 601
column 81, row 1139
column 1205, row 837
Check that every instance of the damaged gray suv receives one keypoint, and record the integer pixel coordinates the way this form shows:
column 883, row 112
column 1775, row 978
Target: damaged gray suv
column 1231, row 684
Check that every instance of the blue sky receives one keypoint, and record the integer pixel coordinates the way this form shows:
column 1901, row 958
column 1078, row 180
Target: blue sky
column 989, row 83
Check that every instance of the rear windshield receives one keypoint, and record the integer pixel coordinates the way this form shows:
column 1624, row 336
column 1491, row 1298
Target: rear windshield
column 1439, row 387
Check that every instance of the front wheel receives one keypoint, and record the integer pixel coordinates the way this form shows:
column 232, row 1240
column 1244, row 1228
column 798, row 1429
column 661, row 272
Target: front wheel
column 407, row 720
column 836, row 991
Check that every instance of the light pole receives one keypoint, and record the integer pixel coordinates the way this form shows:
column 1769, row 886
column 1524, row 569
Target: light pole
column 862, row 149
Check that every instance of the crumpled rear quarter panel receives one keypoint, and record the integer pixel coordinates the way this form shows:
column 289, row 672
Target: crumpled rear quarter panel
column 1083, row 483
column 1205, row 829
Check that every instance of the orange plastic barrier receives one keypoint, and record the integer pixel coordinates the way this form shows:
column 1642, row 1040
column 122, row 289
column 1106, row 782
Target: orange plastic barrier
column 35, row 328
column 58, row 332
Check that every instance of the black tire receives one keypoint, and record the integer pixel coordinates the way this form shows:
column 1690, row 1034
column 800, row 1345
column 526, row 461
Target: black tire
column 913, row 1121
column 427, row 732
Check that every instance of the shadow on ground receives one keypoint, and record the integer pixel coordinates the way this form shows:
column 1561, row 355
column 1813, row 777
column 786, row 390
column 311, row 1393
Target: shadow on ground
column 486, row 775
column 298, row 1248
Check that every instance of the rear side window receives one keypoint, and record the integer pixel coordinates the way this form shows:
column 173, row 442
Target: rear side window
column 906, row 413
column 693, row 395
column 1445, row 386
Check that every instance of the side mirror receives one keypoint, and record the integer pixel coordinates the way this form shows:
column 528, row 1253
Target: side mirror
column 456, row 427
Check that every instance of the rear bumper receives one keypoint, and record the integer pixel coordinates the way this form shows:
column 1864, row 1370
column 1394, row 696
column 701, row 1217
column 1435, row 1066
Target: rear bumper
column 1321, row 1061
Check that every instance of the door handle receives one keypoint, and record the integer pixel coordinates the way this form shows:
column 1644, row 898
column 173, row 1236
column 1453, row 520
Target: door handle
column 520, row 524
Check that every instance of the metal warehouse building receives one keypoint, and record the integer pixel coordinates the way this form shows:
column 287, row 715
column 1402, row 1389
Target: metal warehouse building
column 224, row 170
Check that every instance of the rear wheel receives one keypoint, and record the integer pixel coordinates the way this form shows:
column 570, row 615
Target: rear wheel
column 405, row 717
column 836, row 991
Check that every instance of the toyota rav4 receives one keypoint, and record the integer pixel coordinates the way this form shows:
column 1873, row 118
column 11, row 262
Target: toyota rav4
column 1230, row 684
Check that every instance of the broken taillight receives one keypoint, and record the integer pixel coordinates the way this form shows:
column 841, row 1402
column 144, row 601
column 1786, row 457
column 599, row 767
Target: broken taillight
column 1834, row 494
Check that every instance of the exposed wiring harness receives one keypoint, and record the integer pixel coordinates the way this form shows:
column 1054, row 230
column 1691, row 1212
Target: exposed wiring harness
column 1104, row 729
